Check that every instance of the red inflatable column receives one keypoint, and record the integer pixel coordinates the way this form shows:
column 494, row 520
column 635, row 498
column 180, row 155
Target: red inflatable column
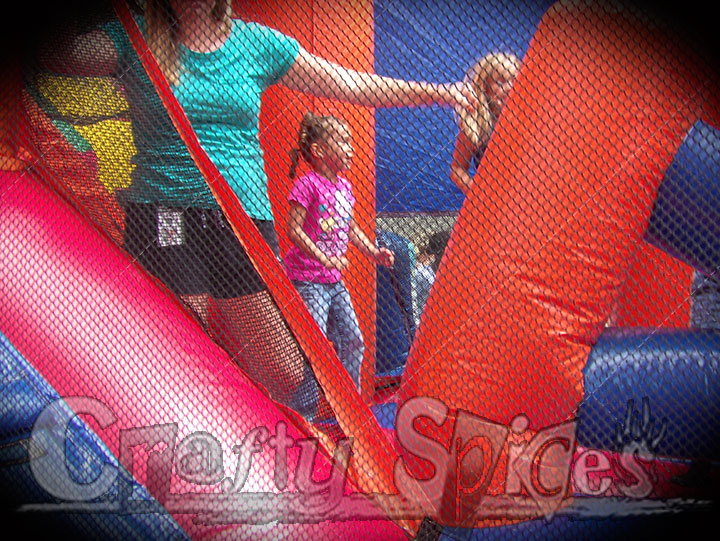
column 558, row 209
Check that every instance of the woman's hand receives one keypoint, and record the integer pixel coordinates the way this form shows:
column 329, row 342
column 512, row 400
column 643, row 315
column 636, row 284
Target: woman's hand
column 462, row 96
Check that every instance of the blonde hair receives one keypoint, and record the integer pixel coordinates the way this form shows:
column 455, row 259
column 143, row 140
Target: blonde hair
column 162, row 33
column 477, row 124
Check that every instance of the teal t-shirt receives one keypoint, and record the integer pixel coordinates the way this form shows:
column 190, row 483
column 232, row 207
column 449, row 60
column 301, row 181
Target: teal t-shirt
column 221, row 94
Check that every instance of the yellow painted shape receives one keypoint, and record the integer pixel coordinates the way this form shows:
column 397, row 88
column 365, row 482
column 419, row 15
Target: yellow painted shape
column 82, row 96
column 114, row 147
column 91, row 97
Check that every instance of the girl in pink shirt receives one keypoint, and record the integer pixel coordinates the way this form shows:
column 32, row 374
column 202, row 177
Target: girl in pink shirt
column 320, row 226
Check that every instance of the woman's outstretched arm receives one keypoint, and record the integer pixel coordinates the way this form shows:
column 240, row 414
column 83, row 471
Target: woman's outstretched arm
column 313, row 75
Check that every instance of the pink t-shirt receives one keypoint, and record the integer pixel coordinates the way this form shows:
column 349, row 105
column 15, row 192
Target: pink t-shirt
column 329, row 210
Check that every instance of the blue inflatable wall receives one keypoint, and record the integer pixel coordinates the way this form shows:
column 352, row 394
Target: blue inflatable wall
column 686, row 218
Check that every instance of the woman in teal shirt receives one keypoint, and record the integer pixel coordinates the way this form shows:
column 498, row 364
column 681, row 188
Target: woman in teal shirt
column 218, row 68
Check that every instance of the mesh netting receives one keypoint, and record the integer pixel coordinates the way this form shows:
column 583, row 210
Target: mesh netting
column 390, row 269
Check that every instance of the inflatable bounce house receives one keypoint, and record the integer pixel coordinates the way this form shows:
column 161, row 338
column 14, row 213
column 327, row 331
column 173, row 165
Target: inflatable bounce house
column 161, row 374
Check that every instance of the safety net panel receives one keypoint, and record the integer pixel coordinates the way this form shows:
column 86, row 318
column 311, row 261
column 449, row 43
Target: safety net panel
column 334, row 270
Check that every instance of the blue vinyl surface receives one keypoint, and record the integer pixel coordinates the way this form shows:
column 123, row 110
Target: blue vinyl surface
column 686, row 219
column 24, row 395
column 675, row 371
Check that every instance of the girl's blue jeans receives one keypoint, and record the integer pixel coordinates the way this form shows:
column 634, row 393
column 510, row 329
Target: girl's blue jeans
column 331, row 307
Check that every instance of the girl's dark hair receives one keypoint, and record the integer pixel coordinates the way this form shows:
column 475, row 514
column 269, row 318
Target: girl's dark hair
column 313, row 128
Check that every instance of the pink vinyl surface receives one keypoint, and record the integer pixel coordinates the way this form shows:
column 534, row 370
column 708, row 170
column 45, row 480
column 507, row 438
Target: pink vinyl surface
column 95, row 325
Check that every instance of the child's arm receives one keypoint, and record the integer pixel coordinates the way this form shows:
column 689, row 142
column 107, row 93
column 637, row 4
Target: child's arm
column 381, row 256
column 480, row 122
column 461, row 161
column 297, row 235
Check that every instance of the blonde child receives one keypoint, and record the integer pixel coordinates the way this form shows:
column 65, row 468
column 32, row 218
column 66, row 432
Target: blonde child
column 491, row 78
column 321, row 225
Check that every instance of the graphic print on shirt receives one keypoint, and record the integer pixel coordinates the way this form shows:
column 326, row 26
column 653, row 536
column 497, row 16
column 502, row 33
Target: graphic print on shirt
column 335, row 224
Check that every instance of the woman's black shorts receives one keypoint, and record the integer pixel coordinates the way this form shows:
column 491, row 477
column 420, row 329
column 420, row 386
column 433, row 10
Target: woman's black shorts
column 193, row 251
